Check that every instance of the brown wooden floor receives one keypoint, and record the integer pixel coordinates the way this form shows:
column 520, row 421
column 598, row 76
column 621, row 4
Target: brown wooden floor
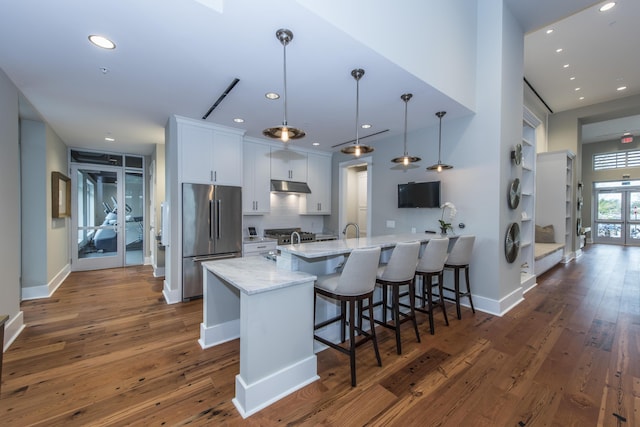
column 107, row 350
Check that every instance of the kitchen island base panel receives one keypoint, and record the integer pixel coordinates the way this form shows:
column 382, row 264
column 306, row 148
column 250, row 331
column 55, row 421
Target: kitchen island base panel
column 251, row 398
column 218, row 334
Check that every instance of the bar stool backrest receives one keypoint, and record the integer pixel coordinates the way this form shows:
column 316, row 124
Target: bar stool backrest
column 461, row 252
column 359, row 272
column 402, row 263
column 434, row 256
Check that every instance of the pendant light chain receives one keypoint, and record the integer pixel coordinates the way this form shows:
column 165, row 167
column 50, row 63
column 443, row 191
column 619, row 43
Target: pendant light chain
column 284, row 67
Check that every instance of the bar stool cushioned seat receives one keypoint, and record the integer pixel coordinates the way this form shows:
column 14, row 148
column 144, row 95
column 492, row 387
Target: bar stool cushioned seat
column 353, row 285
column 399, row 271
column 431, row 265
column 459, row 259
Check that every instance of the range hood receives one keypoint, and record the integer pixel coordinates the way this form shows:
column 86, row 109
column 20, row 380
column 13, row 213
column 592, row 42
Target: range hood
column 282, row 186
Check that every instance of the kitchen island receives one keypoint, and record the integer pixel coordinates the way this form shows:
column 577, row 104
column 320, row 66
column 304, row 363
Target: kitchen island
column 270, row 307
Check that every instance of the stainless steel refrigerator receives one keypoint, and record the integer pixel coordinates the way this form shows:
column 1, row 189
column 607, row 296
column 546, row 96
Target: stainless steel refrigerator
column 211, row 229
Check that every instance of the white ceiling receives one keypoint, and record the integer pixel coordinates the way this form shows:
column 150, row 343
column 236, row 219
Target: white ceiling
column 178, row 56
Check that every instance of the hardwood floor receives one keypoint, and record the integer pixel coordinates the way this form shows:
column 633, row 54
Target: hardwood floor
column 107, row 350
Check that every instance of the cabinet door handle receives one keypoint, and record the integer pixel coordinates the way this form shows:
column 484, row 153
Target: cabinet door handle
column 215, row 176
column 210, row 175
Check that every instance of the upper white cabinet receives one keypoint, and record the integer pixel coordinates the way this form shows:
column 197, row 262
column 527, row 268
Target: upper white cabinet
column 257, row 174
column 209, row 154
column 288, row 164
column 319, row 181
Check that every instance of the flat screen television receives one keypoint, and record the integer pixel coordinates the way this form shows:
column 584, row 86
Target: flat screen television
column 419, row 195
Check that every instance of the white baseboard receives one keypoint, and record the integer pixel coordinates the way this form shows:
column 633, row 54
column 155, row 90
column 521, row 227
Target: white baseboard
column 171, row 296
column 496, row 307
column 158, row 271
column 12, row 329
column 46, row 291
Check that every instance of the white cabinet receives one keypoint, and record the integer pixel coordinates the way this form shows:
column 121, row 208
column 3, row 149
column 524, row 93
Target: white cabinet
column 209, row 154
column 319, row 181
column 554, row 197
column 288, row 164
column 257, row 175
column 258, row 248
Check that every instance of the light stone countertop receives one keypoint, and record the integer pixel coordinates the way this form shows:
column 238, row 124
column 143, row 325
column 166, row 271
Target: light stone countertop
column 253, row 275
column 343, row 246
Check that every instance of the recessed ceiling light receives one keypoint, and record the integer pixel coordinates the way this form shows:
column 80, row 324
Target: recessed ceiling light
column 108, row 138
column 622, row 88
column 565, row 66
column 238, row 120
column 550, row 30
column 558, row 50
column 271, row 95
column 315, row 144
column 577, row 89
column 366, row 126
column 572, row 78
column 607, row 6
column 581, row 98
column 102, row 42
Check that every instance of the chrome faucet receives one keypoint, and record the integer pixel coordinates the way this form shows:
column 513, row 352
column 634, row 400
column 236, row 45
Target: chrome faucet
column 295, row 233
column 355, row 225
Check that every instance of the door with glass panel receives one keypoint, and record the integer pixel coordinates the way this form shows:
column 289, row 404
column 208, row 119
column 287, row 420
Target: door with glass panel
column 98, row 210
column 617, row 215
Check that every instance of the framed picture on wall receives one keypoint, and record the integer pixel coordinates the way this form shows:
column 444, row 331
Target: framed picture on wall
column 60, row 195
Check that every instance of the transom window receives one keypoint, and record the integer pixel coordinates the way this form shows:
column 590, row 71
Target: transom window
column 616, row 160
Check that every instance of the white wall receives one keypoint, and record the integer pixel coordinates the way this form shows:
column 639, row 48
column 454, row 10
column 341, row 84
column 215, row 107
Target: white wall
column 9, row 209
column 439, row 48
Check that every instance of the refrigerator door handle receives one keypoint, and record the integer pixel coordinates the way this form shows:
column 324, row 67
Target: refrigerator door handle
column 218, row 218
column 210, row 219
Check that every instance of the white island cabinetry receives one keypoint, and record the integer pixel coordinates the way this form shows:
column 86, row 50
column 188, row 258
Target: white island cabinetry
column 319, row 181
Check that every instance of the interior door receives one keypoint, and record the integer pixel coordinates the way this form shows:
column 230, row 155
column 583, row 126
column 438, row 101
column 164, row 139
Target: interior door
column 98, row 217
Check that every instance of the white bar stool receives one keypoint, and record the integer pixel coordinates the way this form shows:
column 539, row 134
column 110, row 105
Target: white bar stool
column 459, row 259
column 431, row 265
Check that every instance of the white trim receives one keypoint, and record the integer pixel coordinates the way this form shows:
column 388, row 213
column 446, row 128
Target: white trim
column 12, row 329
column 46, row 291
column 497, row 307
column 171, row 296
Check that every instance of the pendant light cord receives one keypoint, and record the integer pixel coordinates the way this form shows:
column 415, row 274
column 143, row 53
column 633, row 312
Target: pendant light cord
column 357, row 109
column 405, row 127
column 284, row 121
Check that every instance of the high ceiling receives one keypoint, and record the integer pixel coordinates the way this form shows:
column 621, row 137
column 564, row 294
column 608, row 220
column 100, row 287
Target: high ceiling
column 179, row 56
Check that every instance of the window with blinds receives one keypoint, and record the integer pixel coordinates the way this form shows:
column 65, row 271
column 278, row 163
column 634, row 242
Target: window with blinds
column 619, row 159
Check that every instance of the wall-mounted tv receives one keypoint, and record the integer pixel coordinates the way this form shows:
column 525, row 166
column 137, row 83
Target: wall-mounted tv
column 419, row 195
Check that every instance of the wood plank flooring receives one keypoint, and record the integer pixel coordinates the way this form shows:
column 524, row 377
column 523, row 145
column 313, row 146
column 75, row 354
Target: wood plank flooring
column 107, row 350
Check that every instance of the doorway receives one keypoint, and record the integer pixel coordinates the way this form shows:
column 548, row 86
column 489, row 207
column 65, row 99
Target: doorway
column 617, row 212
column 355, row 195
column 108, row 217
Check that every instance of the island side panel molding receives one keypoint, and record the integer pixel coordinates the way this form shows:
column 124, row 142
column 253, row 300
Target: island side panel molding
column 221, row 311
column 276, row 347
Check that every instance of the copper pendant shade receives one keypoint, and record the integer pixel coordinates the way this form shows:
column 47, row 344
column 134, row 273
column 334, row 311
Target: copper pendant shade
column 406, row 158
column 439, row 166
column 356, row 148
column 284, row 132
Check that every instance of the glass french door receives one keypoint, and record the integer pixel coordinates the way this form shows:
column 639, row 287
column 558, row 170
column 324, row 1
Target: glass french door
column 617, row 216
column 98, row 209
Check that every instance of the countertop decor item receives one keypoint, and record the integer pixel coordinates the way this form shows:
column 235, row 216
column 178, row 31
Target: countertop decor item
column 444, row 225
column 439, row 166
column 406, row 158
column 356, row 148
column 284, row 132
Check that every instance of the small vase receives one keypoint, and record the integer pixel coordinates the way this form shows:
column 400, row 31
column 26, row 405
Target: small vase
column 443, row 231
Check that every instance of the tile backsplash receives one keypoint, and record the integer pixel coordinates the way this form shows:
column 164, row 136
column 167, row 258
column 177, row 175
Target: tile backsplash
column 284, row 214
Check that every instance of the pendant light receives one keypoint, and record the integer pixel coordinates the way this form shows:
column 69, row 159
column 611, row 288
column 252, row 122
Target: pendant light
column 406, row 159
column 439, row 166
column 284, row 132
column 357, row 149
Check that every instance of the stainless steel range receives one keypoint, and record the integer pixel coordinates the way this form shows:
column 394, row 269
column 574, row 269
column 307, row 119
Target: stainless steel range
column 283, row 235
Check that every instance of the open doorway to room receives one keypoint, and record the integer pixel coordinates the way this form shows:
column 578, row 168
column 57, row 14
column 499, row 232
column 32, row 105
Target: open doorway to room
column 355, row 196
column 616, row 212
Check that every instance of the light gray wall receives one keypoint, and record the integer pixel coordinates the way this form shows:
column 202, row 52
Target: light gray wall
column 9, row 207
column 43, row 238
column 479, row 147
